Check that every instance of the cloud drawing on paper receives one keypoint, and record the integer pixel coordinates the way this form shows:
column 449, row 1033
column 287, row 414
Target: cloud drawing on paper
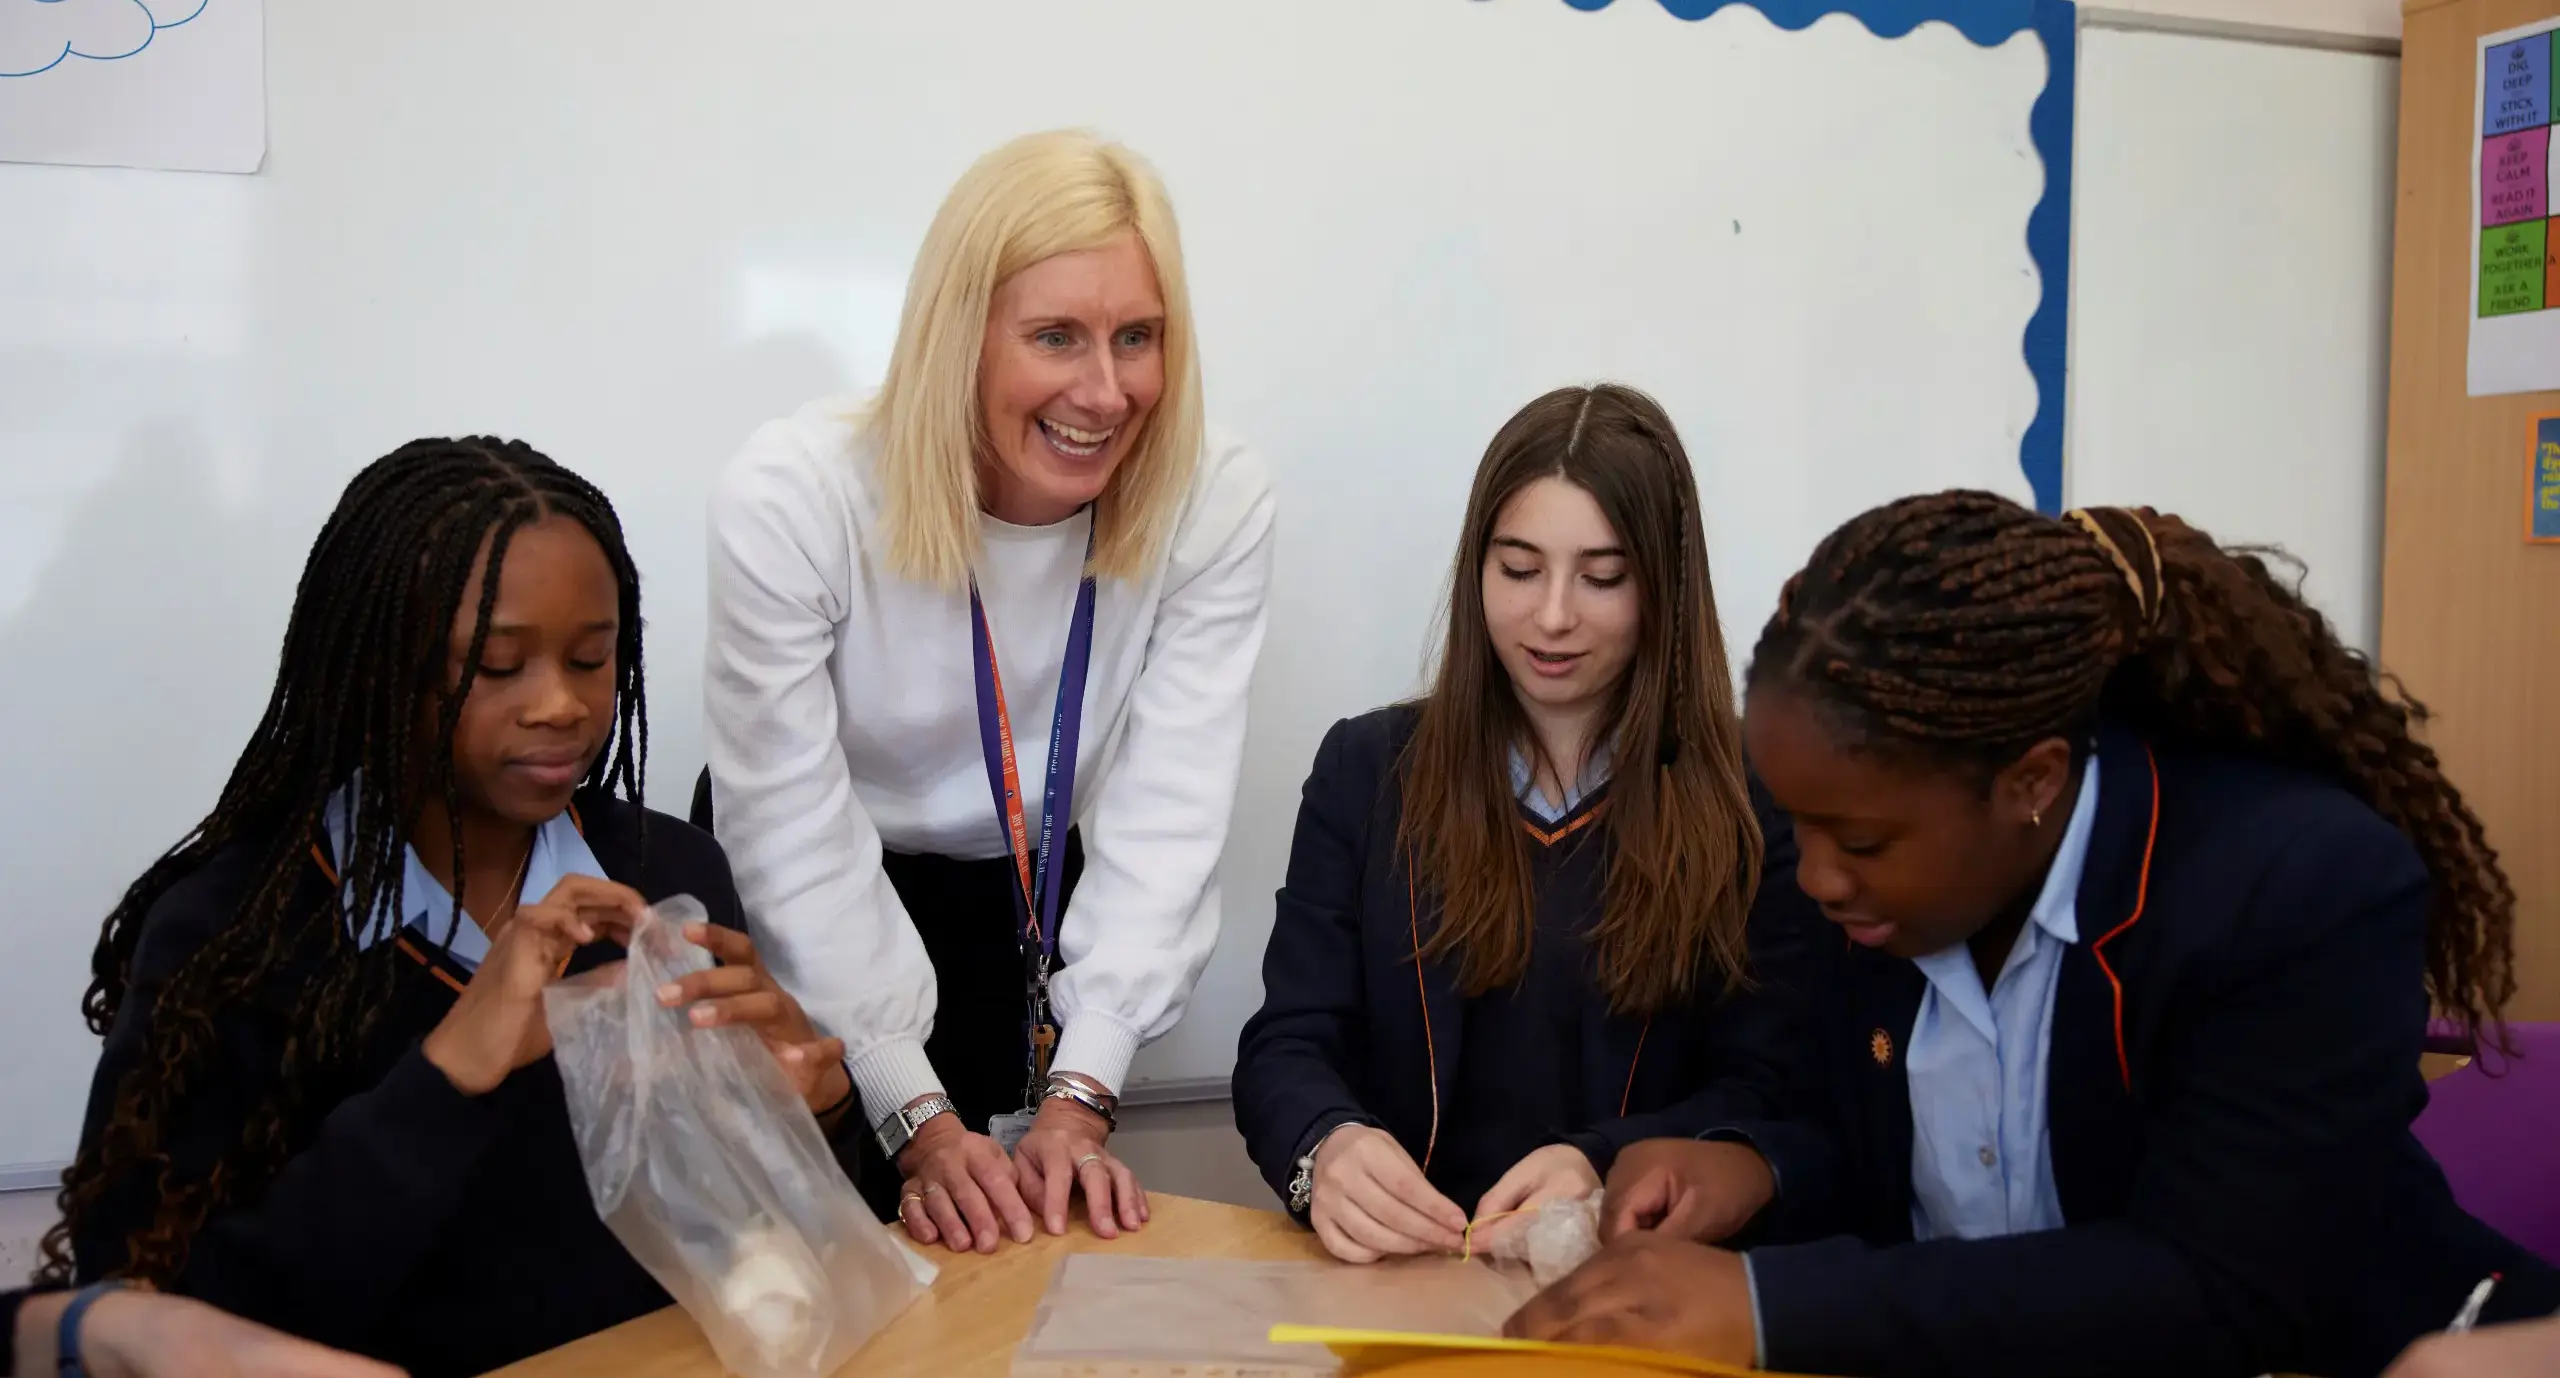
column 37, row 36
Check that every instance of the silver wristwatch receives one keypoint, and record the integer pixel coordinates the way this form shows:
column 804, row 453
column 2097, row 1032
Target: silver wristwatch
column 899, row 1126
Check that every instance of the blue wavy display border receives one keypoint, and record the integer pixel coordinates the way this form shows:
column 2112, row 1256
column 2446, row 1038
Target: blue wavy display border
column 1988, row 23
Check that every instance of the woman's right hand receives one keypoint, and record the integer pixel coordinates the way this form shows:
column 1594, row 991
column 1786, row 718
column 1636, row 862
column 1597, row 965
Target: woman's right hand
column 957, row 1186
column 1371, row 1200
column 496, row 1025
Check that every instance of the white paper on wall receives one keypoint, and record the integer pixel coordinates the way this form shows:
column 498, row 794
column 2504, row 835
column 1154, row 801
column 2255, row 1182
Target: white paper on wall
column 172, row 84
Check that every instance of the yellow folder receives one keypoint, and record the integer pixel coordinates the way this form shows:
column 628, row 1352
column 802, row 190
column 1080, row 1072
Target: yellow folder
column 1372, row 1351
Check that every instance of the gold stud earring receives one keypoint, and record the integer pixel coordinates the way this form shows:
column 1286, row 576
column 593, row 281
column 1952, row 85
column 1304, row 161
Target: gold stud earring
column 2035, row 819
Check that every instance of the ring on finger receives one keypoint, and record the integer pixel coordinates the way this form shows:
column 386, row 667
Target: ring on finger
column 1088, row 1158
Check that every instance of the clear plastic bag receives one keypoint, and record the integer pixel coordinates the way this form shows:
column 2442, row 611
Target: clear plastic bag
column 710, row 1170
column 1558, row 1237
column 1126, row 1316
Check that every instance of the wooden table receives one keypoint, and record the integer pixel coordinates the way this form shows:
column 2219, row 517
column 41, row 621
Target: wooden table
column 972, row 1320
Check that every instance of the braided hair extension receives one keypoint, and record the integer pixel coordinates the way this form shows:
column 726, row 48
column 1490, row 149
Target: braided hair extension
column 364, row 656
column 1967, row 628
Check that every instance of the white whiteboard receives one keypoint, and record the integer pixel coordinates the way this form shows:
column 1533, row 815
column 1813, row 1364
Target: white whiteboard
column 629, row 234
column 2231, row 297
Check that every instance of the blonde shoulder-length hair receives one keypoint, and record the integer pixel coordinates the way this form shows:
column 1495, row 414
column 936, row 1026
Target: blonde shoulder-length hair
column 1034, row 198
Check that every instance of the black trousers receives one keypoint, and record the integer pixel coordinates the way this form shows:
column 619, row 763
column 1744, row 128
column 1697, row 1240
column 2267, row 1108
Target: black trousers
column 964, row 911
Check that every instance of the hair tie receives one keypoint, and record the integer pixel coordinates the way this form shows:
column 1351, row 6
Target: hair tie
column 2146, row 594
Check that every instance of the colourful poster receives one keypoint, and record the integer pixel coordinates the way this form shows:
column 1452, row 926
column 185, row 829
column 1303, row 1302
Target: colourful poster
column 2515, row 245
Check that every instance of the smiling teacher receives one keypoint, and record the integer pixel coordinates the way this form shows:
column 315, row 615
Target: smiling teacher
column 976, row 686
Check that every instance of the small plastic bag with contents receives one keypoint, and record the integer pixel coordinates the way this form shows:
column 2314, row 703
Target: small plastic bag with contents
column 1552, row 1239
column 712, row 1172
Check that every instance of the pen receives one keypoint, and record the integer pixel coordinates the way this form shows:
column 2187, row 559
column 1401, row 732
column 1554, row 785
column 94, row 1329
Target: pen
column 2464, row 1319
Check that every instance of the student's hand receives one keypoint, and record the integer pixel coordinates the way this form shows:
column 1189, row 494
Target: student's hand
column 1371, row 1200
column 741, row 991
column 496, row 1025
column 2522, row 1349
column 1652, row 1292
column 147, row 1335
column 1063, row 1153
column 958, row 1185
column 1558, row 1172
column 1686, row 1189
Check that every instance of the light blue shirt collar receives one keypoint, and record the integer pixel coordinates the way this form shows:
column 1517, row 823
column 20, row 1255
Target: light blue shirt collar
column 427, row 908
column 1524, row 785
column 1977, row 1064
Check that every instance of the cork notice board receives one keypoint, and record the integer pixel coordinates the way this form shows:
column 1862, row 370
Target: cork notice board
column 2470, row 597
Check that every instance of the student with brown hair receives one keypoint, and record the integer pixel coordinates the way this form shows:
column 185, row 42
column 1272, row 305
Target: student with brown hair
column 1522, row 914
column 2144, row 887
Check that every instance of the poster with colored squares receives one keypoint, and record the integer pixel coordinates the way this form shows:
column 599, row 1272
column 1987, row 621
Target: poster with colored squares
column 2515, row 312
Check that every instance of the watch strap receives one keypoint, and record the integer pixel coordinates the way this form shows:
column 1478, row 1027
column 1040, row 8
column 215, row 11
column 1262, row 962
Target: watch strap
column 900, row 1125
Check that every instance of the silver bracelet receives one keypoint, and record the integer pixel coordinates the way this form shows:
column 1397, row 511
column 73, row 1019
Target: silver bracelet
column 1069, row 1089
column 1302, row 1187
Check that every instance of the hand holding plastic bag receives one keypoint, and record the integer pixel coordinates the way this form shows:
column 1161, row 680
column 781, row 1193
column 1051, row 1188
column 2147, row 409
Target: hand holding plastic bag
column 1554, row 1238
column 711, row 1171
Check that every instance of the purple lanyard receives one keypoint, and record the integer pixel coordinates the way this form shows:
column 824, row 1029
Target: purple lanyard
column 1039, row 875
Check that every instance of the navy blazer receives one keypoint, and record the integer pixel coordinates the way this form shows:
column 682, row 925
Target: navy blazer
column 1341, row 1035
column 2233, row 1072
column 443, row 1233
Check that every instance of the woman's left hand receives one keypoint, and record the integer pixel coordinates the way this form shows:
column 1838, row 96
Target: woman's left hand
column 1064, row 1152
column 741, row 991
column 1558, row 1172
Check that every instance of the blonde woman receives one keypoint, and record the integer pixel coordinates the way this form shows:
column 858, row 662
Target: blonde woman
column 1026, row 538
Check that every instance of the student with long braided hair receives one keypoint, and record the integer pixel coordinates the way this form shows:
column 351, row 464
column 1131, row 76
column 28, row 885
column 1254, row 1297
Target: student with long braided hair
column 1543, row 912
column 2145, row 887
column 325, row 1101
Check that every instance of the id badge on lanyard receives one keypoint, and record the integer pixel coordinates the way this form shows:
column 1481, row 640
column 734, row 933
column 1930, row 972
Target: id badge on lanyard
column 1039, row 872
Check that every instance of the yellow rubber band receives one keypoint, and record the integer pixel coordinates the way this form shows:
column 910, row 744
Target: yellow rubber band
column 1468, row 1239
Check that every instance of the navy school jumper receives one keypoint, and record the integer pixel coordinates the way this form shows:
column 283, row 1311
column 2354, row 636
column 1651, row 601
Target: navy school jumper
column 443, row 1233
column 1343, row 1035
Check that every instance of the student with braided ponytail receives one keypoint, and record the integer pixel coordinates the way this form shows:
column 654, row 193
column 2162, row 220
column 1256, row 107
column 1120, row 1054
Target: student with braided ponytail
column 326, row 1101
column 2145, row 887
column 1542, row 912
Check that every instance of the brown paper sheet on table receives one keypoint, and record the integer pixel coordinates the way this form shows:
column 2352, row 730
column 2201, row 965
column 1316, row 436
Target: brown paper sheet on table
column 1118, row 1316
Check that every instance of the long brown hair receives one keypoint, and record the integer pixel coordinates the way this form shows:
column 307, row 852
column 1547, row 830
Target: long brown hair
column 1965, row 626
column 1684, row 846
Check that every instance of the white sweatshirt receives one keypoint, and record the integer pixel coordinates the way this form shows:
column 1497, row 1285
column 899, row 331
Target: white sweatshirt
column 843, row 718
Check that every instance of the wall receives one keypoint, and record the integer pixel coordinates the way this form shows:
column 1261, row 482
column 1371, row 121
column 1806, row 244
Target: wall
column 2231, row 304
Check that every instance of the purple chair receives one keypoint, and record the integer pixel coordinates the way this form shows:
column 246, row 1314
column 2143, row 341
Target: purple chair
column 2498, row 1137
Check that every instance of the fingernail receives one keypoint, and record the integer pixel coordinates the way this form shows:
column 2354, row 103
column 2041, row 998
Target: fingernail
column 670, row 993
column 793, row 1055
column 703, row 1014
